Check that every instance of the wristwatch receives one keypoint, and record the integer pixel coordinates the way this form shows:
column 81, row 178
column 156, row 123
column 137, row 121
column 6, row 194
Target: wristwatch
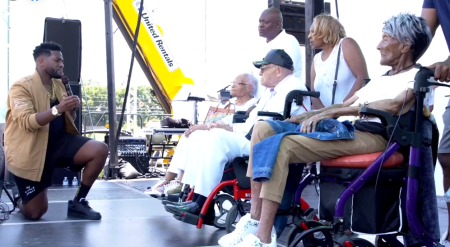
column 55, row 111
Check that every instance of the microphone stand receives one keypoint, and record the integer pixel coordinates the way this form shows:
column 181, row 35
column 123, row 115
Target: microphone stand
column 223, row 89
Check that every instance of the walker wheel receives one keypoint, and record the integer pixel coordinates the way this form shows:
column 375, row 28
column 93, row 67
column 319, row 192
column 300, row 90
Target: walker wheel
column 318, row 239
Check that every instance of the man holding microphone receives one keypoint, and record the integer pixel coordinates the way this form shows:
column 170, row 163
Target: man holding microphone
column 40, row 135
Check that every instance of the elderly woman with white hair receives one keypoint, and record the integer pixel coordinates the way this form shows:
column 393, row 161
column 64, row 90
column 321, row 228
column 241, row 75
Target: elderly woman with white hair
column 404, row 38
column 243, row 91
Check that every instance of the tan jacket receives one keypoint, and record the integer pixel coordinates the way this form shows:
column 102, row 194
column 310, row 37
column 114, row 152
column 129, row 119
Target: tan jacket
column 25, row 140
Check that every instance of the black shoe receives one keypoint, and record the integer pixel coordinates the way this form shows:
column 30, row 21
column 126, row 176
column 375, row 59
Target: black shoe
column 192, row 208
column 82, row 210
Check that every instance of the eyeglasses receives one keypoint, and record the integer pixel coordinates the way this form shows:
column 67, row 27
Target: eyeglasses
column 235, row 83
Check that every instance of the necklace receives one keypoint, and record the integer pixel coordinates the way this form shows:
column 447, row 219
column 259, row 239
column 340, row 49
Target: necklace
column 52, row 95
column 406, row 68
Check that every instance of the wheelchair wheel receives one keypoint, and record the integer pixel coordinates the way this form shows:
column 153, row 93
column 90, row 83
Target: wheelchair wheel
column 223, row 204
column 359, row 242
column 235, row 214
column 318, row 239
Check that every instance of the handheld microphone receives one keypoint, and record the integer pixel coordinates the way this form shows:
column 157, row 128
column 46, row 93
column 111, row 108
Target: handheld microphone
column 65, row 81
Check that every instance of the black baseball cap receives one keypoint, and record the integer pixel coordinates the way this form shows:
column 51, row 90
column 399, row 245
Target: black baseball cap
column 278, row 57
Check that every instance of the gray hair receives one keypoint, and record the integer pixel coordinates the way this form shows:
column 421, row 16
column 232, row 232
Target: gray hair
column 409, row 29
column 252, row 81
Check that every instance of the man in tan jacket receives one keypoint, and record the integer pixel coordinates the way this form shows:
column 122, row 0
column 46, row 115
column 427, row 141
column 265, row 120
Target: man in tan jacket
column 40, row 135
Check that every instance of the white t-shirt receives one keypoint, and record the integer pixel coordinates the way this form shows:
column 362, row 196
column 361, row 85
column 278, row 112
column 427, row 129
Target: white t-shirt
column 384, row 87
column 274, row 102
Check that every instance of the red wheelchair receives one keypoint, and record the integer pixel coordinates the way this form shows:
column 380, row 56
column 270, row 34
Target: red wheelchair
column 235, row 186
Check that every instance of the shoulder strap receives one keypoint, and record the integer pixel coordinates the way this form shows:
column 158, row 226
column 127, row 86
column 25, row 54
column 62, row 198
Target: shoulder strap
column 336, row 74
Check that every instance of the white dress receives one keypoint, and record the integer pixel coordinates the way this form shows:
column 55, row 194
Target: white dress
column 325, row 73
column 189, row 145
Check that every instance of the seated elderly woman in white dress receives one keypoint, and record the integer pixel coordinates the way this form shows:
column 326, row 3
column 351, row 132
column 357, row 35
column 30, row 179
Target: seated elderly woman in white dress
column 243, row 90
column 204, row 164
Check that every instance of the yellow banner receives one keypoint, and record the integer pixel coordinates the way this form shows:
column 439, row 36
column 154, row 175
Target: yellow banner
column 153, row 49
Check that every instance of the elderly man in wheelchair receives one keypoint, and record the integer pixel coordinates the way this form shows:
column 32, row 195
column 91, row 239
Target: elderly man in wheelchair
column 205, row 164
column 355, row 129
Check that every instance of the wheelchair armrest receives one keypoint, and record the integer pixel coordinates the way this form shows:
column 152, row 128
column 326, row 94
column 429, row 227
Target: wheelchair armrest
column 313, row 94
column 240, row 117
column 296, row 95
column 274, row 115
column 385, row 117
column 240, row 113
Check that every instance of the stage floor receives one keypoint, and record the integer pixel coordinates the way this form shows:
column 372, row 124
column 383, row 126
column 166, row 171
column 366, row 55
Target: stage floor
column 130, row 218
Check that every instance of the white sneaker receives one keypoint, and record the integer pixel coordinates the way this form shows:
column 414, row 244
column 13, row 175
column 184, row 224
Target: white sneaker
column 157, row 189
column 444, row 240
column 244, row 227
column 252, row 241
column 172, row 187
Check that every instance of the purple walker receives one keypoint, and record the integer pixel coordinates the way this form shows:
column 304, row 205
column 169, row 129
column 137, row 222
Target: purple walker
column 386, row 221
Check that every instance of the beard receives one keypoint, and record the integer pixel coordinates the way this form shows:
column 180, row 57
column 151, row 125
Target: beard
column 53, row 73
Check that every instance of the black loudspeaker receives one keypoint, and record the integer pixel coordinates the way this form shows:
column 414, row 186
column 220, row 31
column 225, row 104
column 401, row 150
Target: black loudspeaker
column 294, row 14
column 67, row 33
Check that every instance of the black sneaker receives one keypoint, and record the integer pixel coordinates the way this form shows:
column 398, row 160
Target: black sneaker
column 82, row 210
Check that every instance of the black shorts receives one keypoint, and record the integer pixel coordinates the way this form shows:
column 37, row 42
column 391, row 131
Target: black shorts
column 59, row 155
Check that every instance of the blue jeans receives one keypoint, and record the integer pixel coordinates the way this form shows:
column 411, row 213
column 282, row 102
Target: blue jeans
column 266, row 151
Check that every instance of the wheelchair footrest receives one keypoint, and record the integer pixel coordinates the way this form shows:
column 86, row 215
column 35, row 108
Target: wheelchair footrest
column 192, row 219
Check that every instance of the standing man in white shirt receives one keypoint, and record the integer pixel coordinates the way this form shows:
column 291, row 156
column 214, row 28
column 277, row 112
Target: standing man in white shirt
column 271, row 28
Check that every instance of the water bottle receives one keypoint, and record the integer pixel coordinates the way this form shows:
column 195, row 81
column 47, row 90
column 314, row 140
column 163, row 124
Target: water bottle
column 65, row 182
column 446, row 197
column 75, row 181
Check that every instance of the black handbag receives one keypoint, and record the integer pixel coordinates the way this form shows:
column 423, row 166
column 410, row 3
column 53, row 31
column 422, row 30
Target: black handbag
column 169, row 122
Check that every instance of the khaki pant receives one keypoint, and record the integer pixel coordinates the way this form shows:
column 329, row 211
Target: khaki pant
column 300, row 149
